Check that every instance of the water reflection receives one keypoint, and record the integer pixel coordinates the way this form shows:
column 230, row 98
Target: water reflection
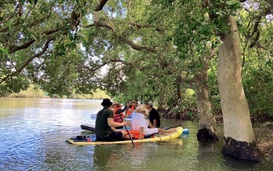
column 141, row 155
column 106, row 157
column 33, row 134
column 230, row 163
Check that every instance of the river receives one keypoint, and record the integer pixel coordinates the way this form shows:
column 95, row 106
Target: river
column 33, row 134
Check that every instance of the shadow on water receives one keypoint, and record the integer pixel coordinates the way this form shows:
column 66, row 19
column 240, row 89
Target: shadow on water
column 210, row 157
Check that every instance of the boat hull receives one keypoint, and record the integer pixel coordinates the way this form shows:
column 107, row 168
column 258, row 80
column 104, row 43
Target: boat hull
column 88, row 128
column 89, row 140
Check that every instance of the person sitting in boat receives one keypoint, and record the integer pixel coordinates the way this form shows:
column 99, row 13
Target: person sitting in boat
column 125, row 107
column 105, row 124
column 153, row 115
column 130, row 109
column 118, row 114
column 142, row 127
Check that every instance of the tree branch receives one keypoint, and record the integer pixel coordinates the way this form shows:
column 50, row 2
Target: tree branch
column 29, row 43
column 48, row 32
column 99, row 24
column 138, row 26
column 19, row 70
column 100, row 5
column 23, row 46
column 135, row 46
column 122, row 38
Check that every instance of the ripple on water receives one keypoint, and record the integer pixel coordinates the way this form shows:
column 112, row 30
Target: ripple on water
column 33, row 137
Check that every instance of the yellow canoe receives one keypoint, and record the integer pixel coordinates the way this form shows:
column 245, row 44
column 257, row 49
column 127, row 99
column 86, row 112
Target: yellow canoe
column 156, row 138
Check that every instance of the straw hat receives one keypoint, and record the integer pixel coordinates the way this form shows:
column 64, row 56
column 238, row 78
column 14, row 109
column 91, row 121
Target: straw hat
column 141, row 108
column 116, row 103
column 150, row 103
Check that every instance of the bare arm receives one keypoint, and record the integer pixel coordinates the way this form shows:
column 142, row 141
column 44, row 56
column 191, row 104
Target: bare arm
column 141, row 134
column 150, row 124
column 154, row 123
column 114, row 129
column 111, row 123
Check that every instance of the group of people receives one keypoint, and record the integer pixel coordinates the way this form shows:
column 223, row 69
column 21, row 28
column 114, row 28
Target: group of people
column 111, row 117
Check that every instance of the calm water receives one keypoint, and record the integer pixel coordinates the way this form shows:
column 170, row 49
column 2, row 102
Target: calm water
column 33, row 134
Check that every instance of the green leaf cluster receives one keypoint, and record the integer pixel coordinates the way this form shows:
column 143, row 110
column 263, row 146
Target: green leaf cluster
column 147, row 50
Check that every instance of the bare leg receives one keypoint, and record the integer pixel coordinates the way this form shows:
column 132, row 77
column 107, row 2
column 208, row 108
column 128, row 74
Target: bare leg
column 126, row 135
column 167, row 131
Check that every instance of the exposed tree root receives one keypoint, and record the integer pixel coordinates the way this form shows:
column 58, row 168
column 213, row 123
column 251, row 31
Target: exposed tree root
column 242, row 150
column 206, row 135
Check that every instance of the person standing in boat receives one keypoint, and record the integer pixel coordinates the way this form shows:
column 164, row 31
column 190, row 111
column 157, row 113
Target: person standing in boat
column 105, row 124
column 153, row 115
column 118, row 114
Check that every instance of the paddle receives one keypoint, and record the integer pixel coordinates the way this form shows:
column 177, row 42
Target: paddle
column 128, row 132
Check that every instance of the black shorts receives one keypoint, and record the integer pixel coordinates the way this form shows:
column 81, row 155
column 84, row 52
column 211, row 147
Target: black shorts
column 120, row 127
column 114, row 136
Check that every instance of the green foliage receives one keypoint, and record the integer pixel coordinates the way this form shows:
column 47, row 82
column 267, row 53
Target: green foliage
column 257, row 57
column 35, row 91
column 213, row 88
column 14, row 85
column 98, row 94
column 258, row 85
column 31, row 92
column 152, row 49
column 3, row 51
column 33, row 37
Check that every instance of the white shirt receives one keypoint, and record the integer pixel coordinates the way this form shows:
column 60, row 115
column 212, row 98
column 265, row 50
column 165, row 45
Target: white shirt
column 138, row 121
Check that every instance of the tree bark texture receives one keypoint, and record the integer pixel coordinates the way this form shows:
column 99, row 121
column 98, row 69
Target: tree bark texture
column 236, row 115
column 207, row 121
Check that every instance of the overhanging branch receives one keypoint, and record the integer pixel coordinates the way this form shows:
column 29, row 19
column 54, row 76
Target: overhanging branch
column 122, row 38
column 29, row 43
column 26, row 63
column 100, row 5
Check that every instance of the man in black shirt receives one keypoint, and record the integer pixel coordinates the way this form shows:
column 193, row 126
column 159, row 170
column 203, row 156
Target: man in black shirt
column 153, row 115
column 105, row 122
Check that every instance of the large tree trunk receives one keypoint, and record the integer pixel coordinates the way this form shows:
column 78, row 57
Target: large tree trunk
column 207, row 122
column 238, row 132
column 206, row 132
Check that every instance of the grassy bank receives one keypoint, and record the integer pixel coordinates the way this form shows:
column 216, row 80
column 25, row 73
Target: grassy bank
column 33, row 92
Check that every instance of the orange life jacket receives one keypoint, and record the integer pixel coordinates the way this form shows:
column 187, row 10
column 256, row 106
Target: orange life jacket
column 135, row 133
column 117, row 117
column 129, row 112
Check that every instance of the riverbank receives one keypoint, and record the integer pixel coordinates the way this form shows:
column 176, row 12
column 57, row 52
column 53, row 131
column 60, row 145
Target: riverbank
column 33, row 92
column 264, row 141
column 263, row 137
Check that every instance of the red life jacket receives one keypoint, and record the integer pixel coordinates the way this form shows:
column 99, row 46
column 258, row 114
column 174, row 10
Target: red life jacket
column 117, row 117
